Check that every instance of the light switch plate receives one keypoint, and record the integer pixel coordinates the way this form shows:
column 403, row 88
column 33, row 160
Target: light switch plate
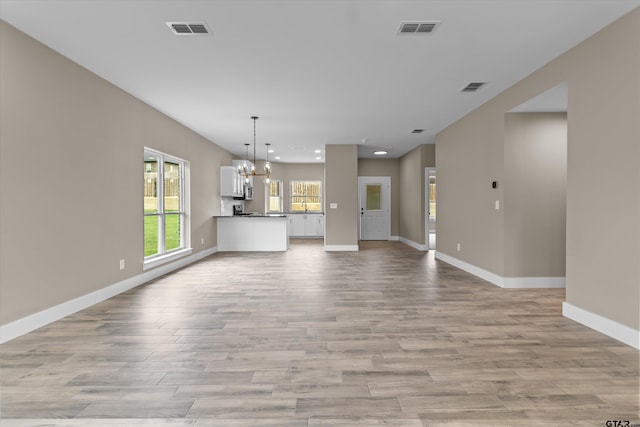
column 333, row 206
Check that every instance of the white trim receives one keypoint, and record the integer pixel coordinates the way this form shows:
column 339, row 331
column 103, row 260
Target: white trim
column 413, row 244
column 606, row 326
column 504, row 282
column 426, row 206
column 165, row 259
column 42, row 318
column 394, row 238
column 470, row 268
column 341, row 248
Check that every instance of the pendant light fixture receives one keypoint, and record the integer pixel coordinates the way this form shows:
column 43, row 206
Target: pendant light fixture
column 267, row 166
column 244, row 168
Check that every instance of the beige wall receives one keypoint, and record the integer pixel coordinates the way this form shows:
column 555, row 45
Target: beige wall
column 603, row 156
column 71, row 154
column 390, row 168
column 535, row 197
column 412, row 192
column 428, row 153
column 341, row 187
column 604, row 165
column 286, row 172
column 428, row 160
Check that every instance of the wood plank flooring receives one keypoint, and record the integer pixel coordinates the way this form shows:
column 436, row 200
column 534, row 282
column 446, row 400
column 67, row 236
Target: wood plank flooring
column 386, row 336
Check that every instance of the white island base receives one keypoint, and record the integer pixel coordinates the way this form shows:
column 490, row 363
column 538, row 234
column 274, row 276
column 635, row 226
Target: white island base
column 253, row 233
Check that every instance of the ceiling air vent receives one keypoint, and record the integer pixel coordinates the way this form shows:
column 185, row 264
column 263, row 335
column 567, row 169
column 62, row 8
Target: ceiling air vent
column 417, row 27
column 187, row 28
column 472, row 87
column 417, row 131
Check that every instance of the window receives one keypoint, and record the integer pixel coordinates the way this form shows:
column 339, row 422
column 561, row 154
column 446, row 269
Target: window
column 432, row 198
column 274, row 199
column 164, row 205
column 306, row 196
column 374, row 197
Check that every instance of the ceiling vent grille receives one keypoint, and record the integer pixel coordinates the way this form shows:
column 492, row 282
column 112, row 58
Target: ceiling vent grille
column 417, row 27
column 417, row 131
column 472, row 87
column 188, row 28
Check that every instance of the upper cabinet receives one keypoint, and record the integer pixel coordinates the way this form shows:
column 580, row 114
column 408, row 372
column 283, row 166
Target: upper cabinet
column 231, row 183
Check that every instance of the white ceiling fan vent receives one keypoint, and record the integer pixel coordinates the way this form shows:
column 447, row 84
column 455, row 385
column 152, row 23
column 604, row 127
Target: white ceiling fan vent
column 188, row 28
column 418, row 27
column 472, row 87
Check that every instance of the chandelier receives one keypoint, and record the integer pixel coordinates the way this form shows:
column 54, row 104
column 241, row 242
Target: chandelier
column 244, row 170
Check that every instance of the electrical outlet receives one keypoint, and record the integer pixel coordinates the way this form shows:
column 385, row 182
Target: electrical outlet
column 458, row 247
column 497, row 205
column 333, row 206
column 121, row 264
column 202, row 241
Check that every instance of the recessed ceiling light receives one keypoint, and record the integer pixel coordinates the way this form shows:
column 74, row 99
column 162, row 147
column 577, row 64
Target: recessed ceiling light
column 270, row 150
column 380, row 152
column 277, row 157
column 318, row 151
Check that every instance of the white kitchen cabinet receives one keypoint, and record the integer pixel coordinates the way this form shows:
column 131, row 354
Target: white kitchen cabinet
column 319, row 230
column 231, row 183
column 306, row 225
column 314, row 225
column 252, row 233
column 296, row 225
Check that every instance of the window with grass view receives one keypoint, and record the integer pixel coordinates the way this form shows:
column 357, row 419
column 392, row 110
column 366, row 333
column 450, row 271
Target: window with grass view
column 163, row 203
column 275, row 196
column 306, row 196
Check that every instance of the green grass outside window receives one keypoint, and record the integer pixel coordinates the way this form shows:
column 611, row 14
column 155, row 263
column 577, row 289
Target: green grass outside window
column 172, row 232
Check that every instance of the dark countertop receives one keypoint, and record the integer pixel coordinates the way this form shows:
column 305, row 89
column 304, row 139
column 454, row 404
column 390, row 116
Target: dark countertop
column 252, row 216
column 261, row 215
column 304, row 213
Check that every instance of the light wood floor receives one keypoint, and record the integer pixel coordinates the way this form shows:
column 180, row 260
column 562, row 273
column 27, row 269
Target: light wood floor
column 386, row 336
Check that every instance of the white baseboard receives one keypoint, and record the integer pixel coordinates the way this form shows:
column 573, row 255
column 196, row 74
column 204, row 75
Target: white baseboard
column 394, row 238
column 594, row 321
column 413, row 244
column 470, row 268
column 42, row 318
column 603, row 325
column 341, row 248
column 504, row 282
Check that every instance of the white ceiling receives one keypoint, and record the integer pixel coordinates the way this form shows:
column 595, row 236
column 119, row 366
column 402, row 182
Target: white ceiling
column 316, row 71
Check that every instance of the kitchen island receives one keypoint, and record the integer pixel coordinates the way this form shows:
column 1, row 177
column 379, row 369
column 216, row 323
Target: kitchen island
column 253, row 233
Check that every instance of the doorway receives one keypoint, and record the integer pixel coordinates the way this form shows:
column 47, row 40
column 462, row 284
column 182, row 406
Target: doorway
column 430, row 208
column 374, row 201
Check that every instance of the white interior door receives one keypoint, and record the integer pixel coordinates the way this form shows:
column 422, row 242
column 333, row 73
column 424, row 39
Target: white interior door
column 374, row 205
